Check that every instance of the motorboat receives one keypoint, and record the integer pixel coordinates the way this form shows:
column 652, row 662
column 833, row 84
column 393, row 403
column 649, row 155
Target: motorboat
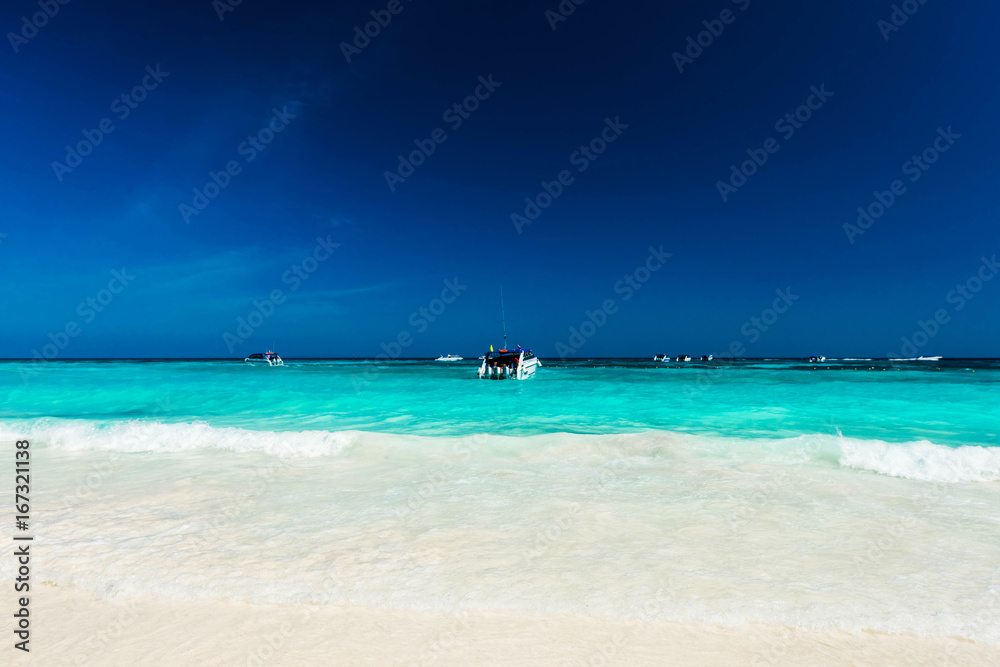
column 270, row 358
column 816, row 359
column 707, row 357
column 504, row 364
column 449, row 357
column 661, row 357
column 517, row 364
column 683, row 357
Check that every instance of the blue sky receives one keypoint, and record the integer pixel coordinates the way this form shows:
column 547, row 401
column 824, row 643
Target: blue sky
column 551, row 92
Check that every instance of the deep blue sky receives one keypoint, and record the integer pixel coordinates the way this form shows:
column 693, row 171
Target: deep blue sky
column 323, row 176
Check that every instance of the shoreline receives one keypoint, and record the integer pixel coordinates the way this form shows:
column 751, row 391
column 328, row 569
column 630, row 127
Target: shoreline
column 71, row 627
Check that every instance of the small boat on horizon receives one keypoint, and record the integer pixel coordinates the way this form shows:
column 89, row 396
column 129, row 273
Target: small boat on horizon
column 661, row 357
column 683, row 357
column 815, row 359
column 707, row 357
column 449, row 357
column 270, row 358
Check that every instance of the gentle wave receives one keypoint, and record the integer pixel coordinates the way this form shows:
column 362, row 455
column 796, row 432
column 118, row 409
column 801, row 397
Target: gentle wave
column 139, row 436
column 920, row 460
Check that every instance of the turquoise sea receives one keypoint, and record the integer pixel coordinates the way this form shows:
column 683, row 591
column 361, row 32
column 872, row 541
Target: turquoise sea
column 852, row 494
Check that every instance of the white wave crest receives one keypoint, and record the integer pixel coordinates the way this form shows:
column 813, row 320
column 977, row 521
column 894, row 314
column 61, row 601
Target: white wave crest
column 922, row 460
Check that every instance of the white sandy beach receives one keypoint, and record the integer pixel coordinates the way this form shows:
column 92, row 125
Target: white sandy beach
column 72, row 628
column 405, row 551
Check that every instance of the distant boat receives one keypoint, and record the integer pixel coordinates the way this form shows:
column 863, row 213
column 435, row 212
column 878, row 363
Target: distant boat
column 707, row 357
column 449, row 357
column 683, row 357
column 929, row 358
column 270, row 358
column 661, row 357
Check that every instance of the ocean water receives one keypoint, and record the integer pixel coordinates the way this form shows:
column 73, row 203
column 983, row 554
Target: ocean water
column 858, row 494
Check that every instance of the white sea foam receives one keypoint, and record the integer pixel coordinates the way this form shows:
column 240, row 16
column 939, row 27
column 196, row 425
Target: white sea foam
column 156, row 437
column 920, row 460
column 923, row 460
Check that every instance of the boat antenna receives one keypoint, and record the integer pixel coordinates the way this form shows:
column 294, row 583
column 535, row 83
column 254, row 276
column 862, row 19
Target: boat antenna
column 503, row 318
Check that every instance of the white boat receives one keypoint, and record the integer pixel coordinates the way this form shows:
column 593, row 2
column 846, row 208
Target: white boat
column 449, row 357
column 661, row 357
column 815, row 359
column 516, row 364
column 504, row 364
column 707, row 357
column 683, row 357
column 270, row 358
